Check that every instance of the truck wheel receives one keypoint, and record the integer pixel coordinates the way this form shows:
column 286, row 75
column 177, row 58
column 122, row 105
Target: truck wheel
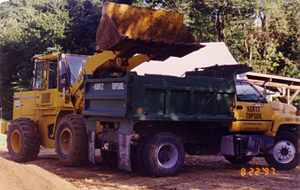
column 136, row 154
column 110, row 158
column 238, row 160
column 71, row 140
column 163, row 154
column 23, row 141
column 286, row 153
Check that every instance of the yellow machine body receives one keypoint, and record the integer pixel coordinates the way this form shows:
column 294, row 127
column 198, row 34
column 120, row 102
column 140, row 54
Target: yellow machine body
column 3, row 126
column 50, row 101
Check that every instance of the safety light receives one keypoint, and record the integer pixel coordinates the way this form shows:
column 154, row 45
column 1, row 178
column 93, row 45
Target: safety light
column 231, row 111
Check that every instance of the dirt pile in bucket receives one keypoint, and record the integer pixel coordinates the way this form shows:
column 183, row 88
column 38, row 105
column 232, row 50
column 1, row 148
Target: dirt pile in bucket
column 29, row 177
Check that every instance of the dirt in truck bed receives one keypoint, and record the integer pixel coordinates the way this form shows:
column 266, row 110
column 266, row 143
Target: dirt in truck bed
column 204, row 172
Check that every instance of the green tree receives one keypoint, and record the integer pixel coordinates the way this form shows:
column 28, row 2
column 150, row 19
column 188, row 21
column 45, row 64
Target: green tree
column 36, row 27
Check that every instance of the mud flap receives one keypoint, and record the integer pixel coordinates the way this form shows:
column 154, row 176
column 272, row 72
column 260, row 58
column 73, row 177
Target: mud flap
column 92, row 135
column 91, row 132
column 124, row 152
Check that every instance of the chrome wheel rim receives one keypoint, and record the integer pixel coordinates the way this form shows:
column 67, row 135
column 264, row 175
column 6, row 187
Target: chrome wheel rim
column 166, row 155
column 284, row 151
column 66, row 140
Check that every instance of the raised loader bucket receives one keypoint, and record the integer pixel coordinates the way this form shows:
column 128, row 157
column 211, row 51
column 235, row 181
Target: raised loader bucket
column 132, row 30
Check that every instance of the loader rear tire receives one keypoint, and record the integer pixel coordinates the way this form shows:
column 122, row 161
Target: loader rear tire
column 23, row 141
column 71, row 140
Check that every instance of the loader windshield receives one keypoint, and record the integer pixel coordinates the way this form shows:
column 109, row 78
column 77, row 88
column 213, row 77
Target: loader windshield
column 75, row 63
column 69, row 69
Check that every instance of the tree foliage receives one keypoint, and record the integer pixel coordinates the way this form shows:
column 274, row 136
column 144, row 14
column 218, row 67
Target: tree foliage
column 264, row 34
column 36, row 27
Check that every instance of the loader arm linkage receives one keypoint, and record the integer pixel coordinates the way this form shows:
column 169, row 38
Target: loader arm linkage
column 103, row 64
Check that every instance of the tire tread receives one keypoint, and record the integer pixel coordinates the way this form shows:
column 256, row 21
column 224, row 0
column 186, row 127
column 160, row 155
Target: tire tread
column 30, row 146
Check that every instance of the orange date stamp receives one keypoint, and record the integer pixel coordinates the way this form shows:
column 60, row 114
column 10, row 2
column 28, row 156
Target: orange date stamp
column 258, row 171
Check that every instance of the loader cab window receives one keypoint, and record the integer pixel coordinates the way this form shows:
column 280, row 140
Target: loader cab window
column 247, row 93
column 39, row 75
column 52, row 75
column 70, row 67
column 75, row 64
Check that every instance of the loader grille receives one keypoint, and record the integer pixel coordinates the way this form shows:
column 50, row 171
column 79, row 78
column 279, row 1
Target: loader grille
column 45, row 98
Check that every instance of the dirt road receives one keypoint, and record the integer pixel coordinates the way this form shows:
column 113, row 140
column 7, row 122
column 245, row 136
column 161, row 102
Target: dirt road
column 205, row 172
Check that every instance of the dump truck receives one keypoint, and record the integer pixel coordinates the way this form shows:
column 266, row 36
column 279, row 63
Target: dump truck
column 81, row 103
column 149, row 122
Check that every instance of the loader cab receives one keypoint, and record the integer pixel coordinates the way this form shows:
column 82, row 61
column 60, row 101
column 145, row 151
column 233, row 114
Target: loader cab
column 54, row 76
column 45, row 73
column 57, row 71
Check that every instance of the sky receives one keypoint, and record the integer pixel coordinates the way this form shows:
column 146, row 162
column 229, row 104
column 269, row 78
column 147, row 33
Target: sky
column 3, row 1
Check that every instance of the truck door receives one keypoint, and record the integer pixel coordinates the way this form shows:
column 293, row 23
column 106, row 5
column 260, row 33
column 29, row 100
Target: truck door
column 252, row 111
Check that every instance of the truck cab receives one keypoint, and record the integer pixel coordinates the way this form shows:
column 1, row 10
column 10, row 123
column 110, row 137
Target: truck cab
column 262, row 127
column 255, row 113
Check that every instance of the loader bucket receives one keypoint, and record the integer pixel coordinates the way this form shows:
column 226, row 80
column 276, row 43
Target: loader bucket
column 132, row 30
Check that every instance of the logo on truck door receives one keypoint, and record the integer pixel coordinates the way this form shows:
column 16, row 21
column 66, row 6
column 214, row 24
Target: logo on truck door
column 253, row 113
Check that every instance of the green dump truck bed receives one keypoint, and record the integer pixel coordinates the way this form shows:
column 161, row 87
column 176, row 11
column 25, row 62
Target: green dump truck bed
column 160, row 98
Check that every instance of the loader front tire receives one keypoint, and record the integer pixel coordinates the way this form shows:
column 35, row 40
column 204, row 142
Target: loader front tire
column 71, row 140
column 23, row 142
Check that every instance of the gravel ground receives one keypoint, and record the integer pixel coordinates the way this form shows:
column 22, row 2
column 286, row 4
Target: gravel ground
column 203, row 172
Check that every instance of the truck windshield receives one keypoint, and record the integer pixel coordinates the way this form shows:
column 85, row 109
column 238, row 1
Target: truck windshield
column 75, row 63
column 247, row 93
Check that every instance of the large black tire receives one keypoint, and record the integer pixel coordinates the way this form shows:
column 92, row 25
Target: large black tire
column 23, row 141
column 286, row 153
column 71, row 140
column 163, row 154
column 238, row 160
column 137, row 151
column 110, row 158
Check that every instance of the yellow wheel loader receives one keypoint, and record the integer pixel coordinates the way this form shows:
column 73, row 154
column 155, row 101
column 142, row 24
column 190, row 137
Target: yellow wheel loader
column 50, row 114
